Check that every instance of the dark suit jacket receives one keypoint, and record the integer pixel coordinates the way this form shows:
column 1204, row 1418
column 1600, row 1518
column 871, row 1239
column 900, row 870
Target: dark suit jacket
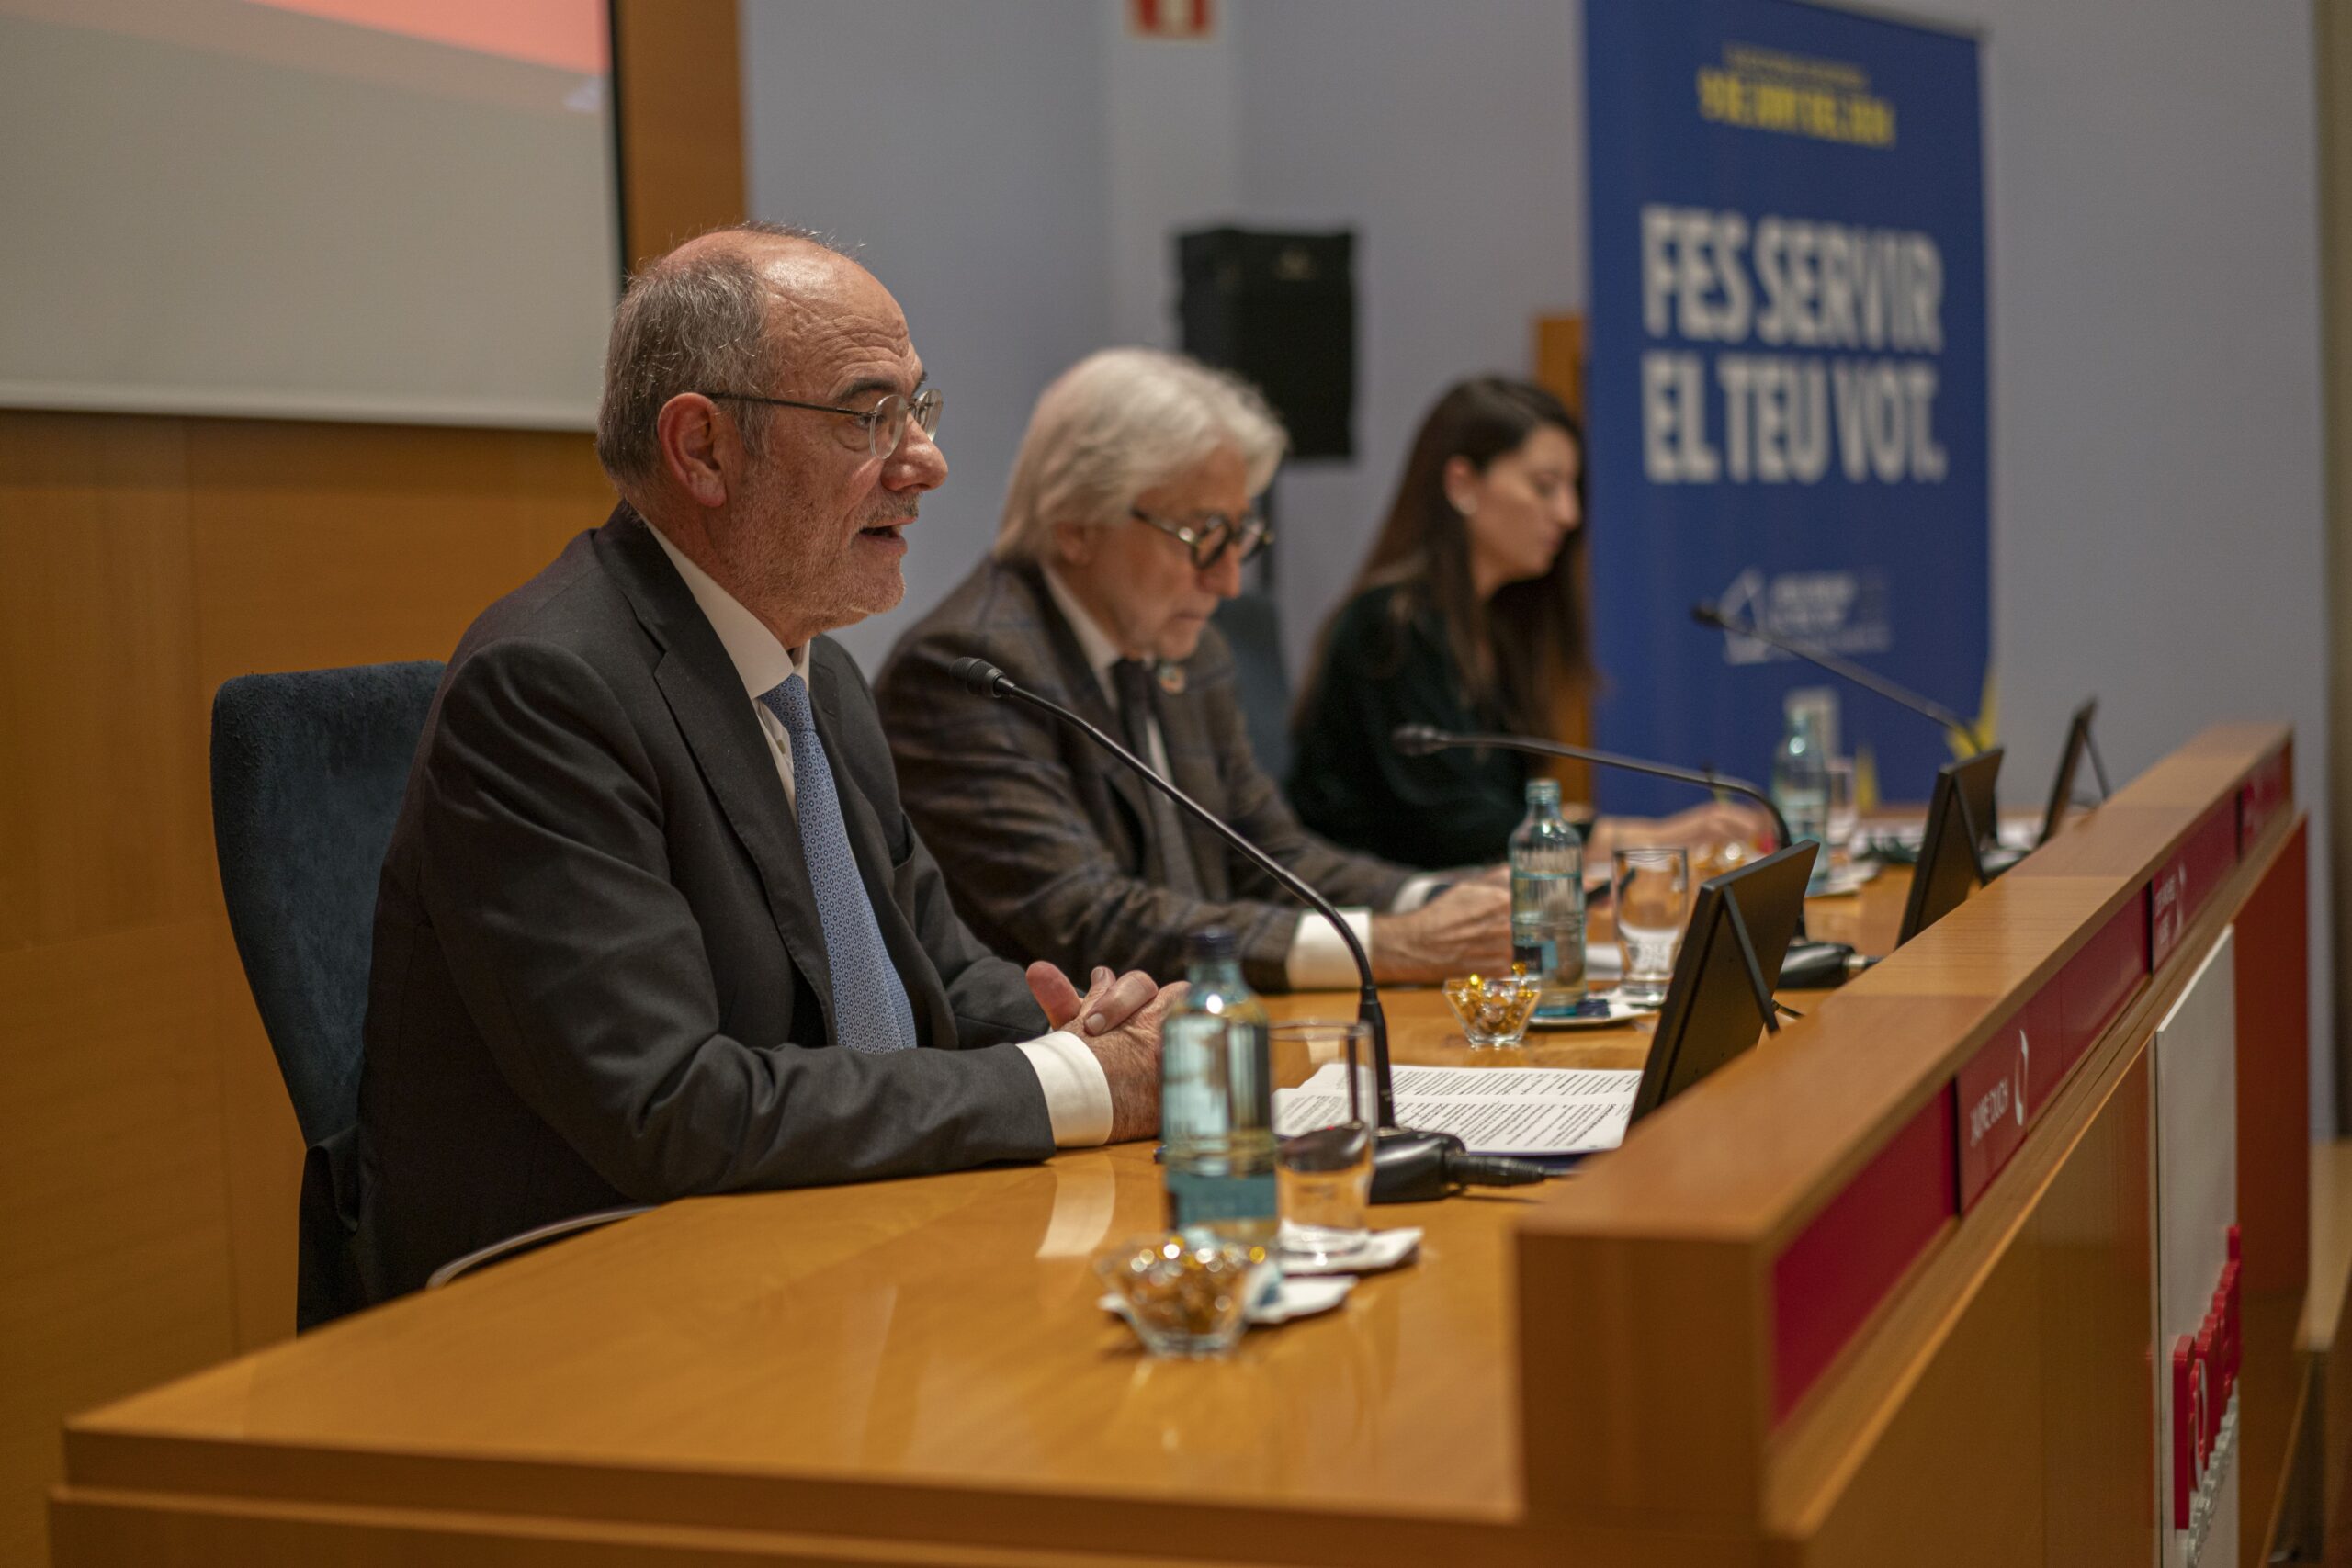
column 599, row 976
column 1044, row 837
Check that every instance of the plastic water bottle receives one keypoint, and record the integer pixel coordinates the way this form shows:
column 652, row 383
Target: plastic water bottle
column 1801, row 779
column 1216, row 1102
column 1547, row 896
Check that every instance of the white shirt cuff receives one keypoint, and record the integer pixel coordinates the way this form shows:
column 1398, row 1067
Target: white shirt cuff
column 1078, row 1094
column 1319, row 960
column 1419, row 890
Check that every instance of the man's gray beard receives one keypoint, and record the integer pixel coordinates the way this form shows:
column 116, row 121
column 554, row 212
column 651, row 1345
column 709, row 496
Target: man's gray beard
column 831, row 595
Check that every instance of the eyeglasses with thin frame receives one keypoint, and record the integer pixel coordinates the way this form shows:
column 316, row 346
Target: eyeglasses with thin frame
column 884, row 423
column 1210, row 536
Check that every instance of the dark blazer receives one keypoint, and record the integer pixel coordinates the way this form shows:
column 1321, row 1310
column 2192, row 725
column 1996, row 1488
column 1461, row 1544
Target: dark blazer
column 1044, row 838
column 1349, row 781
column 599, row 976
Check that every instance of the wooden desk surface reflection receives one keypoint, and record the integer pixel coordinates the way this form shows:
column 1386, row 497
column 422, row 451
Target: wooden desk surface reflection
column 928, row 1348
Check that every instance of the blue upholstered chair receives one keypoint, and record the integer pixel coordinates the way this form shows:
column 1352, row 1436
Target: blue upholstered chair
column 308, row 771
column 1248, row 626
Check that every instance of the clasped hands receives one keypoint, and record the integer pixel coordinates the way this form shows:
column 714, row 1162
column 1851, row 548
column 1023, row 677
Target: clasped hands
column 1119, row 1018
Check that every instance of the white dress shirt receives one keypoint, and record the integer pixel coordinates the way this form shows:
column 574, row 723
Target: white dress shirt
column 1318, row 959
column 1078, row 1095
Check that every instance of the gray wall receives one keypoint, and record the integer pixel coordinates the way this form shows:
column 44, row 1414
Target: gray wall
column 1451, row 138
column 2157, row 530
column 1014, row 170
column 962, row 148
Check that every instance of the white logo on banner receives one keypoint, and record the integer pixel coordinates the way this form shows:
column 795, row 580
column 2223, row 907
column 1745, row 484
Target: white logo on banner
column 1842, row 610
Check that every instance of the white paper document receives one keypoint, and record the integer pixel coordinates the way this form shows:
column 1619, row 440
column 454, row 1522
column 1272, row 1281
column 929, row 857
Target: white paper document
column 1495, row 1111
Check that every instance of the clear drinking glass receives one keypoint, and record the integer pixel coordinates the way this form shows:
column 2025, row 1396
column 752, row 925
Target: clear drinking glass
column 1845, row 815
column 1652, row 897
column 1323, row 1173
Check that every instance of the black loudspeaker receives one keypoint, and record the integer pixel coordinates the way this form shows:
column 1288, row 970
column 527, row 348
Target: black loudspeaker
column 1279, row 312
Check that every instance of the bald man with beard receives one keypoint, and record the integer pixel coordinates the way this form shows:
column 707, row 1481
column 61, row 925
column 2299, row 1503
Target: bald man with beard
column 652, row 922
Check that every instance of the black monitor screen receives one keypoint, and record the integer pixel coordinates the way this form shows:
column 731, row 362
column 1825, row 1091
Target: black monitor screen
column 1959, row 817
column 1710, row 1013
column 2061, row 789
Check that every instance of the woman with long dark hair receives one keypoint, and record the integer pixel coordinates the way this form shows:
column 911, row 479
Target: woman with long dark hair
column 1469, row 614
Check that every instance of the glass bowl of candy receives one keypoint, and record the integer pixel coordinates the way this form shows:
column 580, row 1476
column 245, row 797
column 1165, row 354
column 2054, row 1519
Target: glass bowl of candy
column 1185, row 1294
column 1494, row 1010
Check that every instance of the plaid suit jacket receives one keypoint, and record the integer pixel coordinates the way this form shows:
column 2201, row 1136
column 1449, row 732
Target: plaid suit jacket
column 1045, row 840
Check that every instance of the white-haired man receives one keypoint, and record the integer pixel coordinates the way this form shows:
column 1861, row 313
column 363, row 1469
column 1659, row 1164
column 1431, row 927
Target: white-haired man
column 652, row 922
column 1127, row 519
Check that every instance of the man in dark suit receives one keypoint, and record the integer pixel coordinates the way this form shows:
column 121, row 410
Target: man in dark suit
column 653, row 921
column 1127, row 519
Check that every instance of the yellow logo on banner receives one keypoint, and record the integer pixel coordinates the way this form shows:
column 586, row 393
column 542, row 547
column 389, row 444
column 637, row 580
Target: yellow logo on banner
column 1765, row 89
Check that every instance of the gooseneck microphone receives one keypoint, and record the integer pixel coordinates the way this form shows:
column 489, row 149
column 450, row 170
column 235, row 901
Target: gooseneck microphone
column 1422, row 740
column 1837, row 664
column 1408, row 1167
column 1809, row 965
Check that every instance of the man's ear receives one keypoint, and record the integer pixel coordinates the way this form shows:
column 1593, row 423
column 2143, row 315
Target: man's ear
column 1073, row 544
column 694, row 440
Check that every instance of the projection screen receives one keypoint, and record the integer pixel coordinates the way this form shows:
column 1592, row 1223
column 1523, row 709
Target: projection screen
column 365, row 210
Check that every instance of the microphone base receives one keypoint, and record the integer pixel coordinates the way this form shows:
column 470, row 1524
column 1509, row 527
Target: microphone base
column 1409, row 1167
column 1817, row 965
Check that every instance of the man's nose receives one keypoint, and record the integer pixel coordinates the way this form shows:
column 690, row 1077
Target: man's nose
column 1222, row 576
column 917, row 465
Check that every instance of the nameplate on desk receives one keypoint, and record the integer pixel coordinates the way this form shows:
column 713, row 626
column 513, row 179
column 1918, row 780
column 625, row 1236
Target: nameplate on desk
column 2189, row 878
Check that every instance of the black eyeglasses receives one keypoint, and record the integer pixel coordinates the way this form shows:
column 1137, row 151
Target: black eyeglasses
column 884, row 423
column 1209, row 537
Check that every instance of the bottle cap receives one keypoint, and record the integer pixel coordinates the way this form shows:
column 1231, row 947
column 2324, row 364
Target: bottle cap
column 1211, row 943
column 1542, row 792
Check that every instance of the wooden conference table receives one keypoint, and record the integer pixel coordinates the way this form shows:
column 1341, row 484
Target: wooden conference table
column 1799, row 1316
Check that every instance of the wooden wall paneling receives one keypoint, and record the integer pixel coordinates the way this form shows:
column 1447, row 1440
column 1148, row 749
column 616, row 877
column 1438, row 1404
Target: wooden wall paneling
column 112, row 1235
column 97, row 831
column 114, row 1249
column 1560, row 359
column 324, row 544
column 681, row 98
column 148, row 1179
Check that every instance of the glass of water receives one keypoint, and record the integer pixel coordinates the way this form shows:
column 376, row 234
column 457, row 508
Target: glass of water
column 1651, row 891
column 1323, row 1170
column 1845, row 815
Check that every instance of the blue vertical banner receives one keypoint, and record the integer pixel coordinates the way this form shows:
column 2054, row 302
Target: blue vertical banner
column 1786, row 394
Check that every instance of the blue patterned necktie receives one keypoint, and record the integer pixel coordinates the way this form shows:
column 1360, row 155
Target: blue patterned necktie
column 870, row 1007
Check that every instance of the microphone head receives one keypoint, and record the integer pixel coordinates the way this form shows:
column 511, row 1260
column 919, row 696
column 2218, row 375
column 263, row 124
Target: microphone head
column 979, row 675
column 1417, row 740
column 1706, row 615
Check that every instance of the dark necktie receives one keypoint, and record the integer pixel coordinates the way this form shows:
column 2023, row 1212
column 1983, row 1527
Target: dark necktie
column 1174, row 850
column 870, row 1007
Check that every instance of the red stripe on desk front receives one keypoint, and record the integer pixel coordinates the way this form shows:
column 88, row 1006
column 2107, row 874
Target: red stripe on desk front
column 2096, row 983
column 2196, row 869
column 2000, row 1093
column 1829, row 1280
column 2268, row 790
